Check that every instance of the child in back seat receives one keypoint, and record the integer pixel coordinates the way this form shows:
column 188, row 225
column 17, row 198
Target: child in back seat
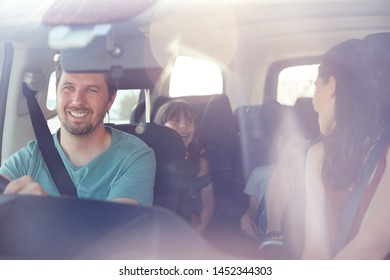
column 179, row 115
column 272, row 188
column 270, row 116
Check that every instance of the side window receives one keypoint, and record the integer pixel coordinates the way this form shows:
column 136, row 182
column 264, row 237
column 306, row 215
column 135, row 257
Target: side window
column 124, row 102
column 295, row 82
column 120, row 111
column 51, row 94
column 53, row 123
column 193, row 76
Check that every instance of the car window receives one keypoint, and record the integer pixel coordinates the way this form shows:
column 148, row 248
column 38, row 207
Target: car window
column 124, row 102
column 193, row 76
column 295, row 82
column 51, row 92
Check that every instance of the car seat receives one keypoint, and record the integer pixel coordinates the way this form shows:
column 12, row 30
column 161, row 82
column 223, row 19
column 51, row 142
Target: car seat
column 248, row 144
column 172, row 187
column 138, row 112
column 216, row 136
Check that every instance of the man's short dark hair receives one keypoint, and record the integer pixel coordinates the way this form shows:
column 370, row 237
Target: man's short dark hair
column 110, row 81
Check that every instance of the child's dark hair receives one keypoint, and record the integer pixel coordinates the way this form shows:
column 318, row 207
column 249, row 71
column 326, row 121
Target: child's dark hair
column 172, row 110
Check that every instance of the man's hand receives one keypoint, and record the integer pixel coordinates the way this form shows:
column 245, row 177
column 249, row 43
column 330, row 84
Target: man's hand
column 24, row 185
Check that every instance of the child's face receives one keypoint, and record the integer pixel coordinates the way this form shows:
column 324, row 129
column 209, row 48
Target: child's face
column 184, row 126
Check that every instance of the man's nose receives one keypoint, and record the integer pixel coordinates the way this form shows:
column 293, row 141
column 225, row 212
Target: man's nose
column 78, row 96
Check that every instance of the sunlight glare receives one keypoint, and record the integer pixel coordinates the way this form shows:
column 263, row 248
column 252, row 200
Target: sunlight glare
column 192, row 76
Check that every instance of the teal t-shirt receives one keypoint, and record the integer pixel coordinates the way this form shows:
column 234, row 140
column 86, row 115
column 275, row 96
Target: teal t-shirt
column 127, row 169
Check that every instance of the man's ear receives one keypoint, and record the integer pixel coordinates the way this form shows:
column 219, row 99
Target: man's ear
column 111, row 101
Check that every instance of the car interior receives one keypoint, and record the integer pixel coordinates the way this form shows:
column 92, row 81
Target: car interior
column 248, row 42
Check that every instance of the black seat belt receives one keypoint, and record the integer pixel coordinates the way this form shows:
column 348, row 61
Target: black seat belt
column 350, row 209
column 45, row 141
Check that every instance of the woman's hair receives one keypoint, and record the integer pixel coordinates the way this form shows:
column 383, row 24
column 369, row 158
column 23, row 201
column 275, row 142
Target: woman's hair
column 362, row 106
column 172, row 110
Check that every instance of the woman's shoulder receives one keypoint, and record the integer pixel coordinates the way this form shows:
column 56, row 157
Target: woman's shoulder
column 316, row 152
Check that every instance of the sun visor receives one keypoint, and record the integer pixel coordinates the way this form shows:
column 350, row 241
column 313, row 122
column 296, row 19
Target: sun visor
column 99, row 48
column 92, row 39
column 106, row 48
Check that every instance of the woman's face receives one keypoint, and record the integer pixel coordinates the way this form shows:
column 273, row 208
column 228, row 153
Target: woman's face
column 324, row 102
column 183, row 125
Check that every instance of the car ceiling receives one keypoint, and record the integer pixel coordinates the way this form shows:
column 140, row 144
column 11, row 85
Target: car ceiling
column 218, row 29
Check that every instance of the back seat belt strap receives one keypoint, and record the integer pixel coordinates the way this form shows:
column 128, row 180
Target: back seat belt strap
column 350, row 209
column 147, row 106
column 45, row 141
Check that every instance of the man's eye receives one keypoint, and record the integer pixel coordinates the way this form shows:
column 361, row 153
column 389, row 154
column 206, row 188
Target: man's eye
column 68, row 88
column 92, row 90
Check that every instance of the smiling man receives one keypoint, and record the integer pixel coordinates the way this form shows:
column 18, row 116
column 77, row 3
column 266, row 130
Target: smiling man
column 103, row 163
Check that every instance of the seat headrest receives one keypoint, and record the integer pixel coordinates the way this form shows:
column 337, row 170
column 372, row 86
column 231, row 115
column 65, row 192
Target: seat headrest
column 217, row 120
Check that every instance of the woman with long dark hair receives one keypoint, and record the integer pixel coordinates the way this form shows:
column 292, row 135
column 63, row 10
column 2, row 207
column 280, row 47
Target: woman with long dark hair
column 352, row 99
